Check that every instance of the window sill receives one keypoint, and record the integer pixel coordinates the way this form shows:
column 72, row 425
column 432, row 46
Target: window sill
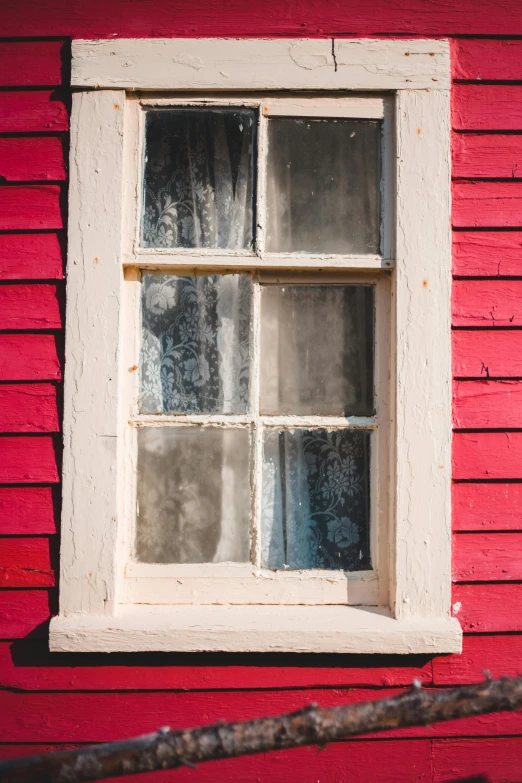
column 319, row 629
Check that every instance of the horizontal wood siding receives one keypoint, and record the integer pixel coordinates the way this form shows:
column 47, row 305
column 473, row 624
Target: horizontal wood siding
column 50, row 700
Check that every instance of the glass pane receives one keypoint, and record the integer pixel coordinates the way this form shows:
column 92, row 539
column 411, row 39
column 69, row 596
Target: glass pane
column 317, row 350
column 193, row 495
column 323, row 182
column 316, row 499
column 199, row 178
column 195, row 344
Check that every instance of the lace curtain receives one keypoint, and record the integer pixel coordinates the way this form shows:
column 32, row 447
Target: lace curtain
column 198, row 189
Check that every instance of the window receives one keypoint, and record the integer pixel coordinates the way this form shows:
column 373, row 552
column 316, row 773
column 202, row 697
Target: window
column 257, row 421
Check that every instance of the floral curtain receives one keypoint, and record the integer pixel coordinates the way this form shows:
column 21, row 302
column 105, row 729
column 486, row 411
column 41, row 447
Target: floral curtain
column 199, row 176
column 316, row 508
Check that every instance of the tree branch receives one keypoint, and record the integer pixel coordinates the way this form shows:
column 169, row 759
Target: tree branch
column 312, row 725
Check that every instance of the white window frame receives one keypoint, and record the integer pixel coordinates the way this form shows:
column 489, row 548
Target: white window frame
column 105, row 599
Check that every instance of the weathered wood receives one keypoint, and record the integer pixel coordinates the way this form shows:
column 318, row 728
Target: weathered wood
column 487, row 455
column 487, row 303
column 312, row 725
column 486, row 107
column 499, row 655
column 488, row 608
column 26, row 112
column 487, row 354
column 25, row 562
column 30, row 63
column 483, row 59
column 477, row 761
column 27, row 459
column 32, row 306
column 487, row 507
column 31, row 256
column 27, row 511
column 480, row 155
column 487, row 253
column 28, row 407
column 486, row 557
column 29, row 357
column 34, row 158
column 24, row 612
column 481, row 404
column 30, row 206
column 487, row 204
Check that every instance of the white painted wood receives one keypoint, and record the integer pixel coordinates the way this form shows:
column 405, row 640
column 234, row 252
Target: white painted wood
column 311, row 629
column 423, row 346
column 156, row 259
column 356, row 108
column 263, row 64
column 94, row 279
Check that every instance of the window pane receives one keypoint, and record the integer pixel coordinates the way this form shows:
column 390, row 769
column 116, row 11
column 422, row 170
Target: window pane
column 193, row 495
column 199, row 175
column 316, row 499
column 195, row 344
column 317, row 350
column 323, row 181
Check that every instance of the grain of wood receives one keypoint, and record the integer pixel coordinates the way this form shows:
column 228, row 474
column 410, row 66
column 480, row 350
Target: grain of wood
column 29, row 112
column 30, row 306
column 28, row 407
column 495, row 760
column 29, row 357
column 488, row 608
column 487, row 253
column 499, row 655
column 31, row 256
column 481, row 404
column 483, row 59
column 25, row 612
column 27, row 511
column 491, row 303
column 487, row 204
column 26, row 459
column 34, row 158
column 30, row 63
column 487, row 107
column 25, row 562
column 30, row 207
column 480, row 155
column 487, row 354
column 485, row 507
column 487, row 557
column 487, row 455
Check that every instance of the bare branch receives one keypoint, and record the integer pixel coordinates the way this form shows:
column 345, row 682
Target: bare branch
column 313, row 725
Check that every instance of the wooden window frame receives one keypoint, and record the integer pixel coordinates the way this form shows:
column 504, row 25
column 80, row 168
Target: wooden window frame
column 105, row 599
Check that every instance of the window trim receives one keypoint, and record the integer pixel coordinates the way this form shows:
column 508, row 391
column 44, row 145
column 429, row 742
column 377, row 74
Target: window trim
column 91, row 614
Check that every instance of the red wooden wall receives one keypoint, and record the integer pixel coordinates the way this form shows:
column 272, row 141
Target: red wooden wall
column 51, row 701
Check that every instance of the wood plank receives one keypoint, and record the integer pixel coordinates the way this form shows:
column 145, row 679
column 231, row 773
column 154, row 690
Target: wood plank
column 30, row 666
column 488, row 608
column 103, row 717
column 24, row 612
column 487, row 455
column 30, row 306
column 30, row 207
column 34, row 158
column 482, row 59
column 487, row 557
column 487, row 303
column 31, row 256
column 486, row 107
column 487, row 354
column 29, row 357
column 487, row 253
column 28, row 407
column 480, row 155
column 487, row 204
column 487, row 507
column 495, row 760
column 26, row 459
column 32, row 112
column 338, row 762
column 499, row 655
column 25, row 562
column 27, row 511
column 30, row 63
column 482, row 404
